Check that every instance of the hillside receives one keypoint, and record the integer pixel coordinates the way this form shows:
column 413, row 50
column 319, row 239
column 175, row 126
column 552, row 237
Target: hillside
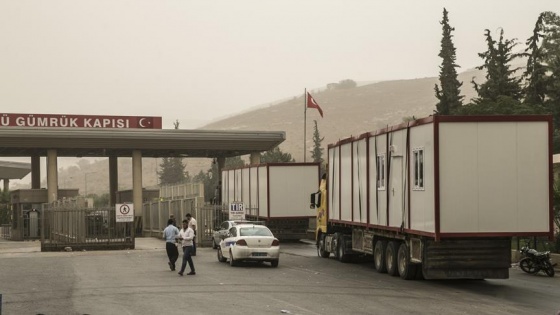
column 346, row 112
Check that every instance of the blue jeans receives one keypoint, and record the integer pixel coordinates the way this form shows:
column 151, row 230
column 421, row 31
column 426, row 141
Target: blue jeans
column 187, row 250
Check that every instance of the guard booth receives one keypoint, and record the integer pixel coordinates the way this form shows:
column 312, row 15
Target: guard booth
column 26, row 216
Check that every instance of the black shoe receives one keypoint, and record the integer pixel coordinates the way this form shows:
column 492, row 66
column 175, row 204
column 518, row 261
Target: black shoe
column 171, row 266
column 180, row 273
column 191, row 273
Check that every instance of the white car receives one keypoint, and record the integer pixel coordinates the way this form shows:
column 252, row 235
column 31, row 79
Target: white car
column 249, row 242
column 222, row 231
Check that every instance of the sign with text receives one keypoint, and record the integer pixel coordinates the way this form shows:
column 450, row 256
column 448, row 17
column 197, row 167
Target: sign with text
column 124, row 212
column 236, row 211
column 79, row 121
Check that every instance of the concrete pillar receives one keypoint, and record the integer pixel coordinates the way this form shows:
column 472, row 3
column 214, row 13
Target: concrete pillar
column 113, row 180
column 35, row 172
column 255, row 158
column 6, row 185
column 52, row 176
column 137, row 182
column 221, row 164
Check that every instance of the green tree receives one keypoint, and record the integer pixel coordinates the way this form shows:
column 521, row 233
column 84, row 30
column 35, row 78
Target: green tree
column 551, row 56
column 101, row 201
column 276, row 156
column 317, row 152
column 449, row 94
column 535, row 73
column 172, row 170
column 500, row 77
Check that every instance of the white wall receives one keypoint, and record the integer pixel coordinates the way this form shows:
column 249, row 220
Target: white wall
column 263, row 194
column 359, row 181
column 377, row 211
column 334, row 183
column 346, row 182
column 422, row 202
column 290, row 188
column 493, row 177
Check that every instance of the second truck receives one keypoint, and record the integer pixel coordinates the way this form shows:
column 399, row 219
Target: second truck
column 439, row 197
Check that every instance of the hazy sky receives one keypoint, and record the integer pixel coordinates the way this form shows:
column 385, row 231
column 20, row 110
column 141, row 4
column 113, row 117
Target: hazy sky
column 201, row 60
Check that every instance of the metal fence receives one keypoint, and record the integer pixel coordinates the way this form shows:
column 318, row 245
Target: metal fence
column 208, row 217
column 6, row 231
column 80, row 228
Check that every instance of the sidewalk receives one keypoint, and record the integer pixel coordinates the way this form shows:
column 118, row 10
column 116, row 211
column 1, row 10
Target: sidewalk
column 15, row 247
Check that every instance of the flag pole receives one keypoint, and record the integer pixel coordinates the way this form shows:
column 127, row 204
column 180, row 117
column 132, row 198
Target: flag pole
column 304, row 121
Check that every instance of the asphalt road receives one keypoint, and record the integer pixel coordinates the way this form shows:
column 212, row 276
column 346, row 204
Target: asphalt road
column 139, row 282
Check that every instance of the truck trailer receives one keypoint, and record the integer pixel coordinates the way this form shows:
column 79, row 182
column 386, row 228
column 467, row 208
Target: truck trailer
column 276, row 194
column 439, row 197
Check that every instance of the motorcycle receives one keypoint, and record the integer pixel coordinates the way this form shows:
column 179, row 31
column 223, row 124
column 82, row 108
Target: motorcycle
column 534, row 261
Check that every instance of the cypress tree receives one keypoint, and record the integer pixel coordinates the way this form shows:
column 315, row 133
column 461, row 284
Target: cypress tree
column 449, row 94
column 317, row 152
column 535, row 73
column 500, row 78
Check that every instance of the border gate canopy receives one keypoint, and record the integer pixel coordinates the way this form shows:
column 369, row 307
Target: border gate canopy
column 90, row 142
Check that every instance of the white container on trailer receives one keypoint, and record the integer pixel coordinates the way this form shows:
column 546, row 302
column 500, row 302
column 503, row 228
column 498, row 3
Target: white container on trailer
column 442, row 183
column 276, row 193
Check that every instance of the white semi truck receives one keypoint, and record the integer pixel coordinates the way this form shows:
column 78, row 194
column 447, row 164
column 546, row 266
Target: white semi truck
column 275, row 193
column 439, row 197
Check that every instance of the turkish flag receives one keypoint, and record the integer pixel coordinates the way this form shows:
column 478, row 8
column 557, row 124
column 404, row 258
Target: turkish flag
column 312, row 104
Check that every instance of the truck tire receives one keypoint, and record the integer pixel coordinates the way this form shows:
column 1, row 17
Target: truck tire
column 342, row 256
column 391, row 258
column 379, row 256
column 321, row 247
column 407, row 270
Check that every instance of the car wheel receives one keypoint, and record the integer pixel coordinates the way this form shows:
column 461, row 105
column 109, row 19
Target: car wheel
column 274, row 263
column 232, row 262
column 221, row 257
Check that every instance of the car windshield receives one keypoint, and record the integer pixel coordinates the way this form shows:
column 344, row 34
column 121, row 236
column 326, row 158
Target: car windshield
column 254, row 231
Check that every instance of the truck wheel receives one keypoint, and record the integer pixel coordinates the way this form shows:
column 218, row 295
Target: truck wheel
column 391, row 258
column 341, row 249
column 379, row 256
column 407, row 270
column 321, row 248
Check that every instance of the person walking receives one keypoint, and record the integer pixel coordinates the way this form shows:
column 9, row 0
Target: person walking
column 172, row 217
column 170, row 233
column 192, row 225
column 186, row 235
